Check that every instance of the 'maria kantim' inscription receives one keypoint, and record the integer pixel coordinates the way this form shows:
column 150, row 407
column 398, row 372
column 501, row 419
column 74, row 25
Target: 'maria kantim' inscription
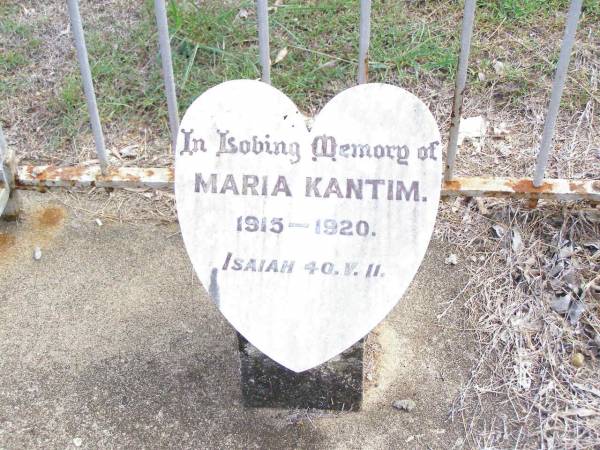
column 306, row 239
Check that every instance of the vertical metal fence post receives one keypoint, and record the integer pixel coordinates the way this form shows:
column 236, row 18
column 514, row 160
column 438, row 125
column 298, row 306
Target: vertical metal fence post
column 363, row 42
column 10, row 203
column 262, row 16
column 88, row 85
column 6, row 179
column 164, row 43
column 461, row 82
column 557, row 89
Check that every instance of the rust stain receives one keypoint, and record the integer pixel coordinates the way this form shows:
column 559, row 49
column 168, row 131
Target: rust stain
column 149, row 172
column 53, row 172
column 452, row 185
column 115, row 174
column 170, row 174
column 578, row 187
column 6, row 241
column 527, row 187
column 36, row 229
column 51, row 216
column 131, row 177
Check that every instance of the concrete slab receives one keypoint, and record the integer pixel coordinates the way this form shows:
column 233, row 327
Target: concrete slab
column 110, row 341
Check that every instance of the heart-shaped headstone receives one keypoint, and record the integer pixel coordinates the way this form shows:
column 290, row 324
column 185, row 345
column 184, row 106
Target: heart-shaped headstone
column 306, row 239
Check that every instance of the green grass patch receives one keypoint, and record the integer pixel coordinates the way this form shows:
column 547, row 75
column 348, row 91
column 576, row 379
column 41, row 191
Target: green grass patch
column 530, row 12
column 11, row 60
column 126, row 79
column 215, row 41
column 520, row 11
column 18, row 42
column 323, row 47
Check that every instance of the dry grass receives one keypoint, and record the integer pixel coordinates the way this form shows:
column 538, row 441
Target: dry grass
column 519, row 102
column 526, row 390
column 122, row 206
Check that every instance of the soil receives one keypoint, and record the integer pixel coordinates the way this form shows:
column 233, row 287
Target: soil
column 110, row 341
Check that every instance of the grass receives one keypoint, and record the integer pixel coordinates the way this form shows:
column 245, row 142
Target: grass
column 519, row 12
column 401, row 49
column 516, row 13
column 11, row 60
column 125, row 89
column 16, row 53
column 412, row 44
column 216, row 43
column 532, row 31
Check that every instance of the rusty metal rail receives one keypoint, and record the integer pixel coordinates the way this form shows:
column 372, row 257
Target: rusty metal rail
column 44, row 177
column 550, row 189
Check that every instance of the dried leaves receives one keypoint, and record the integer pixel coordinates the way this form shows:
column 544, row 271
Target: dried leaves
column 593, row 289
column 534, row 305
column 281, row 54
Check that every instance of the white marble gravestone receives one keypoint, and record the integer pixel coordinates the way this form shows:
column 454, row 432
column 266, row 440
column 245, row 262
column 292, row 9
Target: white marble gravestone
column 306, row 239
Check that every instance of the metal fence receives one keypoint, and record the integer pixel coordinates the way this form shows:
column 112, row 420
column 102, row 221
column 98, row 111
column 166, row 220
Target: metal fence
column 28, row 177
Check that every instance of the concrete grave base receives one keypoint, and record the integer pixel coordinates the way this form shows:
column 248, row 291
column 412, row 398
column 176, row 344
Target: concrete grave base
column 334, row 385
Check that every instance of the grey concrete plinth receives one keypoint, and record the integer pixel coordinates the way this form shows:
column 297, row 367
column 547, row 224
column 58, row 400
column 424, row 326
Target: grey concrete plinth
column 334, row 385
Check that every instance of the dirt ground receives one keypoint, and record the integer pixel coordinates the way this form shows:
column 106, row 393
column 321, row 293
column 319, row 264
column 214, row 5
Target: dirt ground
column 110, row 341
